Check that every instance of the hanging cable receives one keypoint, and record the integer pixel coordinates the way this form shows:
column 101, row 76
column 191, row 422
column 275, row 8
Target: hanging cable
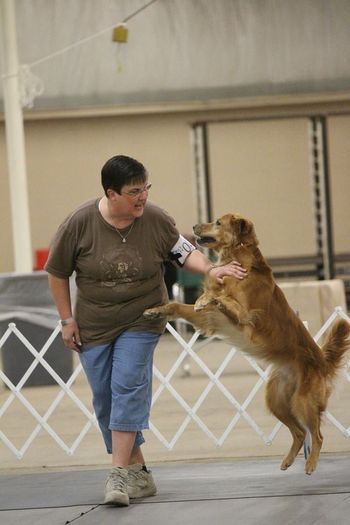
column 91, row 37
column 138, row 11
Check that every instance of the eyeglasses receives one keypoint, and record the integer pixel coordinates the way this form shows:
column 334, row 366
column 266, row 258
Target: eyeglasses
column 133, row 194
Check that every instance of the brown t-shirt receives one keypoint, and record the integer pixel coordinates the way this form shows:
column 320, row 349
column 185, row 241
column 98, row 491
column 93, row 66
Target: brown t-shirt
column 116, row 281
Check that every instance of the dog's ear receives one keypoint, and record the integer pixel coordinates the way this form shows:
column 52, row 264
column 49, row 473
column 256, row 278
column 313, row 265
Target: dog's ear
column 244, row 226
column 245, row 231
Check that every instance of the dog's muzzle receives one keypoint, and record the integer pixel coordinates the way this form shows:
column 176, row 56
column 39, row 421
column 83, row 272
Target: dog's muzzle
column 203, row 241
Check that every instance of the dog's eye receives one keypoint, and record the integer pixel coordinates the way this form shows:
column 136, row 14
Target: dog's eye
column 218, row 223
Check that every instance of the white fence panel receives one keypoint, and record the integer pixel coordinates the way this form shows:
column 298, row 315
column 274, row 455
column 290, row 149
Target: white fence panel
column 189, row 351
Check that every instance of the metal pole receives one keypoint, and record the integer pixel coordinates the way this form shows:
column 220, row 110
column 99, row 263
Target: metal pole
column 16, row 159
column 327, row 201
column 201, row 164
column 322, row 199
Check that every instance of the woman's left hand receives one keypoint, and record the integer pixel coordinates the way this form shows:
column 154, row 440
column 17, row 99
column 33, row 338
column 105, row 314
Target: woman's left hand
column 232, row 269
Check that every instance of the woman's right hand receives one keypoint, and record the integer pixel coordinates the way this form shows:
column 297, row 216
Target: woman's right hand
column 71, row 336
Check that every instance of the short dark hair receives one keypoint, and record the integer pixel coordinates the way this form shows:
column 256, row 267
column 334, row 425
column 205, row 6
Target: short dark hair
column 121, row 170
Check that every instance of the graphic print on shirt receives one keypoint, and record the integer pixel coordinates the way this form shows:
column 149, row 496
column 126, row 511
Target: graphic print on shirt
column 120, row 265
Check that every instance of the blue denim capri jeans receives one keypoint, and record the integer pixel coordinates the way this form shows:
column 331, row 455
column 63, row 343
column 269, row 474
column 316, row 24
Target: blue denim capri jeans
column 120, row 377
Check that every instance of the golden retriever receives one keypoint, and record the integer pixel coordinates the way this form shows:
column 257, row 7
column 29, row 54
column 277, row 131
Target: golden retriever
column 255, row 316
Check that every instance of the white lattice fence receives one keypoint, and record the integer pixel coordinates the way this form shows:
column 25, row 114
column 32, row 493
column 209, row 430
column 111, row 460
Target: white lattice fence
column 189, row 351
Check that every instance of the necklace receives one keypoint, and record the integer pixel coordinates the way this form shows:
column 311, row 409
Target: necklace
column 124, row 237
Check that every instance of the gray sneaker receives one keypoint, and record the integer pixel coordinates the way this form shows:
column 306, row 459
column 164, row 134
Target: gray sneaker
column 140, row 482
column 116, row 491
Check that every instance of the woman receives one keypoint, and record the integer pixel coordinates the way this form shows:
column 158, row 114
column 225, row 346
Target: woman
column 116, row 245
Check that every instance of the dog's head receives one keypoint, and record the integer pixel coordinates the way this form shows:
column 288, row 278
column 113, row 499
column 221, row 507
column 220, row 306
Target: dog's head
column 231, row 230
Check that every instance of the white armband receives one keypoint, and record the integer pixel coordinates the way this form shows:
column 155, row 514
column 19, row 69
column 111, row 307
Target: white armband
column 181, row 250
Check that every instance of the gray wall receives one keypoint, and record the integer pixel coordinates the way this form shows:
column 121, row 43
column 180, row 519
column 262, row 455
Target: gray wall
column 259, row 168
column 186, row 61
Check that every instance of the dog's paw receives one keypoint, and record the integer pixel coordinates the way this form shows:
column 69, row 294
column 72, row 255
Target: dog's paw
column 153, row 313
column 285, row 464
column 199, row 306
column 203, row 302
column 310, row 466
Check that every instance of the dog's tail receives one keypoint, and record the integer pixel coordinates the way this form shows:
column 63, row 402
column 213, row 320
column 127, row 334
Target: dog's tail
column 336, row 344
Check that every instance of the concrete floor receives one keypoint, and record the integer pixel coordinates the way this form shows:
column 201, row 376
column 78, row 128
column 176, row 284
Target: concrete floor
column 241, row 491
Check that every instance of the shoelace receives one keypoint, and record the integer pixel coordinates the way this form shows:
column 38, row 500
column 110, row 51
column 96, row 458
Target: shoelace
column 118, row 483
column 138, row 478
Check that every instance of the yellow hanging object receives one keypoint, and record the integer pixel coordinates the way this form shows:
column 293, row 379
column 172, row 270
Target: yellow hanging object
column 120, row 34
